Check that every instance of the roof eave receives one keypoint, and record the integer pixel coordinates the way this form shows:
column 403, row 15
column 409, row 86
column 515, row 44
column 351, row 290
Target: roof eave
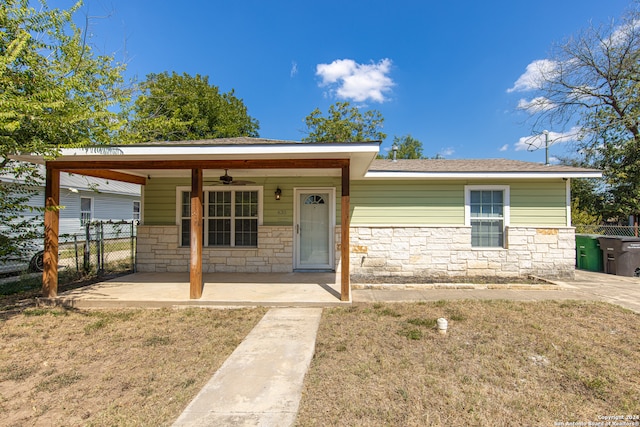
column 135, row 151
column 480, row 175
column 361, row 154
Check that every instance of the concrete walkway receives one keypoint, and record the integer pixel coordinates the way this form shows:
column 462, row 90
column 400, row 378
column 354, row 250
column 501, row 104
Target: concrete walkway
column 260, row 384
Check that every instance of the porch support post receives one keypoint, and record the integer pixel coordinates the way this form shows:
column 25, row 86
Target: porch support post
column 51, row 230
column 195, row 270
column 345, row 288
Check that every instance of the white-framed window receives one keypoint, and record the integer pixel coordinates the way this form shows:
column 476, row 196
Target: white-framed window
column 231, row 215
column 487, row 212
column 136, row 211
column 86, row 210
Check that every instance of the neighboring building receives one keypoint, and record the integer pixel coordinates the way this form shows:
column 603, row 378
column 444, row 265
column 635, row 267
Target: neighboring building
column 285, row 206
column 85, row 198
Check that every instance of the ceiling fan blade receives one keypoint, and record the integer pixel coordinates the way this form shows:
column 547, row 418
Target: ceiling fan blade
column 234, row 182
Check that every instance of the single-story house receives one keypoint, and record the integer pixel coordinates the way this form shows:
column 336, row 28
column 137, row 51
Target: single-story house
column 85, row 198
column 259, row 205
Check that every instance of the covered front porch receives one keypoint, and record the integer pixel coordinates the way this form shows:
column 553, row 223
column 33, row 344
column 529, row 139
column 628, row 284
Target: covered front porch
column 194, row 208
column 158, row 290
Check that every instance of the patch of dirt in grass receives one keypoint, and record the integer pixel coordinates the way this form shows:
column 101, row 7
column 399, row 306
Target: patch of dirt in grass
column 500, row 363
column 17, row 295
column 111, row 367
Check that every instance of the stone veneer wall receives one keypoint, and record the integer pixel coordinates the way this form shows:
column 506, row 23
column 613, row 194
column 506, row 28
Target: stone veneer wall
column 158, row 251
column 446, row 252
column 378, row 251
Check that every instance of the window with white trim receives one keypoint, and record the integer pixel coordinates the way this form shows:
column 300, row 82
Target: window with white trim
column 487, row 212
column 231, row 216
column 86, row 210
column 136, row 211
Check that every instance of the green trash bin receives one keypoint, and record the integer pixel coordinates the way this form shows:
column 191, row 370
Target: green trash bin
column 588, row 253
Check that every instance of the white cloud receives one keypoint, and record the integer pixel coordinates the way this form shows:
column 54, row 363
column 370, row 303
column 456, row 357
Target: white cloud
column 294, row 69
column 622, row 34
column 536, row 142
column 505, row 147
column 533, row 77
column 447, row 151
column 536, row 105
column 357, row 82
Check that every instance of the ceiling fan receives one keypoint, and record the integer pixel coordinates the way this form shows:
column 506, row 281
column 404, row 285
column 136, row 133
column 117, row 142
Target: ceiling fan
column 227, row 179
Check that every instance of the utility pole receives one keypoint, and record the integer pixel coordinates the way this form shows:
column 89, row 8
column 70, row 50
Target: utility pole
column 546, row 147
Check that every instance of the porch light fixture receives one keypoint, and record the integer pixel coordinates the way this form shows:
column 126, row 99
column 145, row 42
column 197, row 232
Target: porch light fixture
column 278, row 193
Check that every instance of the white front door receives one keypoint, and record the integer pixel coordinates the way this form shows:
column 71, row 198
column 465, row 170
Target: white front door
column 314, row 229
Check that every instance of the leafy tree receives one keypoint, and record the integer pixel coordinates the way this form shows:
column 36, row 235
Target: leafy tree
column 344, row 123
column 588, row 197
column 54, row 92
column 581, row 216
column 175, row 107
column 593, row 81
column 587, row 201
column 408, row 148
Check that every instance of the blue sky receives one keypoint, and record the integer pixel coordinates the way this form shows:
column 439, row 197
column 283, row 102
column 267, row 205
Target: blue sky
column 443, row 71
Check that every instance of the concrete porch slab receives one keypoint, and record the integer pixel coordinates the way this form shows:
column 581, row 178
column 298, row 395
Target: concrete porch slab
column 156, row 290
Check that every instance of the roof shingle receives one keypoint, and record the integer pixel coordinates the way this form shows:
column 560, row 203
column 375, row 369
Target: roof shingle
column 468, row 165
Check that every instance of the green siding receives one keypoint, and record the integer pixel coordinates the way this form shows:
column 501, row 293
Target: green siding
column 160, row 200
column 280, row 212
column 533, row 202
column 539, row 203
column 407, row 203
column 160, row 197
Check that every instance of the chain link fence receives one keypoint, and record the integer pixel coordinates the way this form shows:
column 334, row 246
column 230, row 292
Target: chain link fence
column 608, row 230
column 105, row 247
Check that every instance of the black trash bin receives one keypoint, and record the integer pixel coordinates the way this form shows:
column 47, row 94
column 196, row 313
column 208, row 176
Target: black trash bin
column 620, row 255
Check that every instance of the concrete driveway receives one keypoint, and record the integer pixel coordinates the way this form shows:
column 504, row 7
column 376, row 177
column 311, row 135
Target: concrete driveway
column 624, row 291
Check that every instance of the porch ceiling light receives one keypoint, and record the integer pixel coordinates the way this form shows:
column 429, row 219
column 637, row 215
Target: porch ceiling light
column 278, row 193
